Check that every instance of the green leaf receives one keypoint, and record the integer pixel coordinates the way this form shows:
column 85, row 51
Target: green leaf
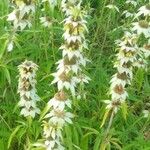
column 2, row 145
column 13, row 135
column 75, row 136
column 68, row 132
column 7, row 74
column 105, row 117
column 97, row 143
column 43, row 113
column 124, row 108
column 94, row 131
column 84, row 143
column 116, row 144
column 139, row 77
column 2, row 48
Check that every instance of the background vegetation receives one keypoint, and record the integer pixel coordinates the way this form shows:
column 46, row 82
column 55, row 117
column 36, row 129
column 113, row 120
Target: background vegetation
column 41, row 45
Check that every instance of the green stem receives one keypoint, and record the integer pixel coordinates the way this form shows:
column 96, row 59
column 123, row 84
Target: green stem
column 104, row 141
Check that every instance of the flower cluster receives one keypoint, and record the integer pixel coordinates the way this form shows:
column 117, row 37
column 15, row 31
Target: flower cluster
column 70, row 66
column 142, row 28
column 47, row 20
column 68, row 75
column 126, row 56
column 27, row 90
column 131, row 54
column 56, row 119
column 129, row 12
column 20, row 17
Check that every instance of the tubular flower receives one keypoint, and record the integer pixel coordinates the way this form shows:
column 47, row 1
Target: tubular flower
column 20, row 17
column 27, row 90
column 68, row 75
column 126, row 56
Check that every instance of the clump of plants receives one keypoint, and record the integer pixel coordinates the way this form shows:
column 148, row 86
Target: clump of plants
column 74, row 75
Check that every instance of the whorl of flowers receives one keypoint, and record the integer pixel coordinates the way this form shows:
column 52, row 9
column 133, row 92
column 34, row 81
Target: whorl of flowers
column 142, row 28
column 46, row 20
column 126, row 56
column 74, row 29
column 67, row 76
column 129, row 12
column 27, row 90
column 20, row 17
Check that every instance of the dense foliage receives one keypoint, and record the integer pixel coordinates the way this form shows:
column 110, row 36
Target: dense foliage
column 129, row 130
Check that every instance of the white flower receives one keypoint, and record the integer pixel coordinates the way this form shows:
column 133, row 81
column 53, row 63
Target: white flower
column 67, row 51
column 59, row 101
column 113, row 7
column 30, row 112
column 67, row 76
column 26, row 89
column 22, row 24
column 112, row 104
column 121, row 69
column 142, row 27
column 12, row 16
column 69, row 65
column 121, row 97
column 49, row 144
column 59, row 117
column 146, row 113
column 118, row 92
column 64, row 81
column 140, row 63
column 26, row 9
column 144, row 10
column 72, row 38
column 51, row 130
column 80, row 23
column 146, row 50
column 119, row 79
column 128, row 14
column 10, row 46
column 133, row 2
column 20, row 17
column 46, row 22
column 66, row 7
column 125, row 58
column 82, row 78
